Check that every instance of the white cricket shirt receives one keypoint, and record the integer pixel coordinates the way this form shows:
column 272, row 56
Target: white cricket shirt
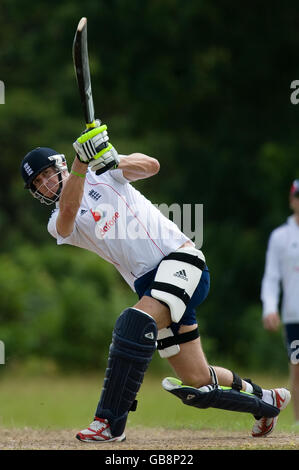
column 119, row 224
column 282, row 270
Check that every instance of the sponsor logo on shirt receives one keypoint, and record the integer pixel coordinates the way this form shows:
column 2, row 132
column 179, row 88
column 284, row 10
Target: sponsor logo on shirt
column 104, row 224
column 109, row 223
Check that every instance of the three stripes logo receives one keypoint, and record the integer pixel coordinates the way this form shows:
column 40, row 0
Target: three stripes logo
column 181, row 274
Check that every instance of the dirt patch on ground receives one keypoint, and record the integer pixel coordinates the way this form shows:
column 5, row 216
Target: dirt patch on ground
column 146, row 439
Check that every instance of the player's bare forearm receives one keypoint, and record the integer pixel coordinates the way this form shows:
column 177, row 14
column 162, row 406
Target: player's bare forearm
column 70, row 199
column 138, row 166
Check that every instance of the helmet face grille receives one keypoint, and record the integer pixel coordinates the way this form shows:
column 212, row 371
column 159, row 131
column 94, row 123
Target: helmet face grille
column 49, row 192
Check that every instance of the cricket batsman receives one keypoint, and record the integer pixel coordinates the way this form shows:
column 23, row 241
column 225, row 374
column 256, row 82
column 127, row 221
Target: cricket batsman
column 98, row 209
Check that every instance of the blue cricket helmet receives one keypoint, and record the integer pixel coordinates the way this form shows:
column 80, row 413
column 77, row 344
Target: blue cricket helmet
column 35, row 162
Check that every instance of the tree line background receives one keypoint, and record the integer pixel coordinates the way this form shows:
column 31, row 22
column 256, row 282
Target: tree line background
column 202, row 86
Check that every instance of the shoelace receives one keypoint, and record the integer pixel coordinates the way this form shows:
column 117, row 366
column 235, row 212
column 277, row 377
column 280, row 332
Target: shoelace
column 98, row 425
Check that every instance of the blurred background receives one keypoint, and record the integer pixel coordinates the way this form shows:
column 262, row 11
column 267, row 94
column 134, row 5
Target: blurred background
column 202, row 86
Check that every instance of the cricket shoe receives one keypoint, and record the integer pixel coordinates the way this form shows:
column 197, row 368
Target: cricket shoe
column 99, row 431
column 264, row 426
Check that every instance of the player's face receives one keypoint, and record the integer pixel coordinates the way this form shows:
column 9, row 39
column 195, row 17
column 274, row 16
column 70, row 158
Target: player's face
column 47, row 182
column 294, row 204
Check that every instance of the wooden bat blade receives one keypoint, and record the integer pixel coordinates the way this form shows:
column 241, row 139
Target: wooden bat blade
column 81, row 64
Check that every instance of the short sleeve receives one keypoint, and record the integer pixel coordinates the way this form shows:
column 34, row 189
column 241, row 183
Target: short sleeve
column 72, row 239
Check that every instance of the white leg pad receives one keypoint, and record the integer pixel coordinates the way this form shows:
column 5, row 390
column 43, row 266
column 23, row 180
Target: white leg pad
column 180, row 274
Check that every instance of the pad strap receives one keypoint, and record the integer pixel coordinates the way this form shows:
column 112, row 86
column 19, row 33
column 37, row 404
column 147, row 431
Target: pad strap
column 171, row 289
column 257, row 390
column 187, row 258
column 237, row 385
column 177, row 339
column 237, row 382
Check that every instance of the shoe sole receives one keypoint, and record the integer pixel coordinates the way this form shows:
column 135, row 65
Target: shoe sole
column 265, row 434
column 113, row 439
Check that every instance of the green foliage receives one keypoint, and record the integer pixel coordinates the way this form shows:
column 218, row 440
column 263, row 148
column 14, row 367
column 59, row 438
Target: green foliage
column 59, row 304
column 201, row 86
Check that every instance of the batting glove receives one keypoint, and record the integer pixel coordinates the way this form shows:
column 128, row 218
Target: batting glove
column 93, row 147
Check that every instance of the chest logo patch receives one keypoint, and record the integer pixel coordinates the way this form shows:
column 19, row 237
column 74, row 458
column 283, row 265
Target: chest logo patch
column 94, row 195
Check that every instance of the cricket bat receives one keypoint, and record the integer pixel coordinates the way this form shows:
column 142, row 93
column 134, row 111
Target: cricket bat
column 81, row 64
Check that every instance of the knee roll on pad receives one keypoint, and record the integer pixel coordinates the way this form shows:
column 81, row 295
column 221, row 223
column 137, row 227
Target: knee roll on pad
column 176, row 279
column 133, row 345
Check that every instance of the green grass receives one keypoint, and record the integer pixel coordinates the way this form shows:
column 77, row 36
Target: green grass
column 56, row 402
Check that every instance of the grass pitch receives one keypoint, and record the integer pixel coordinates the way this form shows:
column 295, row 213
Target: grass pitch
column 61, row 402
